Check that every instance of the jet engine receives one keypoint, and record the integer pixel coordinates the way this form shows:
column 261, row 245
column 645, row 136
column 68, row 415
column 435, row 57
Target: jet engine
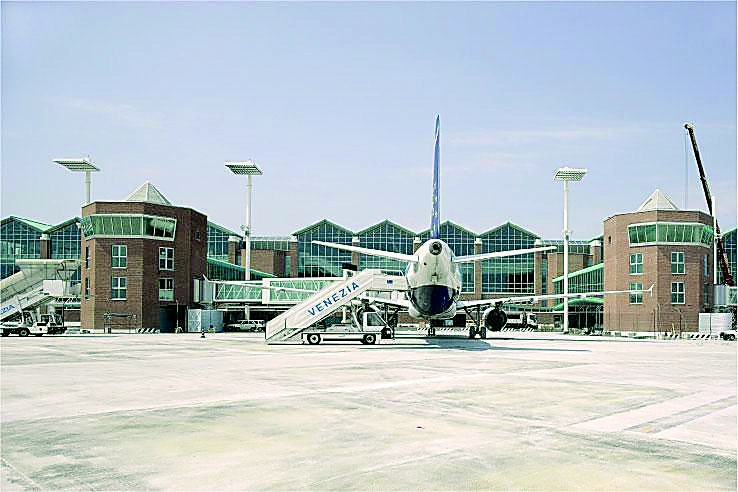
column 494, row 318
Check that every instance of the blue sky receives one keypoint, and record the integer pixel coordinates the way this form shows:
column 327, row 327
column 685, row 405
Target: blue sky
column 337, row 104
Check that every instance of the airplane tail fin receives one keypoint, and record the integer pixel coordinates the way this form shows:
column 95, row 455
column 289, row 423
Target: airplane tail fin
column 435, row 228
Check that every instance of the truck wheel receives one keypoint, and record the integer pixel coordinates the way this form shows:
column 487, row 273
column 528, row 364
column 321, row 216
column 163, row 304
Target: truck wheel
column 313, row 339
column 24, row 332
column 370, row 339
column 731, row 337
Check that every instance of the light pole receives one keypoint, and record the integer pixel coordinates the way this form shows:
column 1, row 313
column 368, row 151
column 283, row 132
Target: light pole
column 567, row 174
column 79, row 165
column 249, row 168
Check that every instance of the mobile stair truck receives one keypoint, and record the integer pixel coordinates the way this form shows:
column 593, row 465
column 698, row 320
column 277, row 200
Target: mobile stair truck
column 301, row 323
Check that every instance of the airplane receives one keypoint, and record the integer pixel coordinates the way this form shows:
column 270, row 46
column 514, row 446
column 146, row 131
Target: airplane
column 434, row 279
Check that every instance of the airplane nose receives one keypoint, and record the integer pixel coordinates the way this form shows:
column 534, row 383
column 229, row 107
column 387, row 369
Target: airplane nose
column 435, row 248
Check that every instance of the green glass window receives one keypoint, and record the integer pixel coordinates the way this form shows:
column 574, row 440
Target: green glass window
column 166, row 258
column 636, row 298
column 118, row 225
column 706, row 294
column 118, row 290
column 667, row 232
column 636, row 263
column 677, row 292
column 120, row 256
column 166, row 289
column 677, row 262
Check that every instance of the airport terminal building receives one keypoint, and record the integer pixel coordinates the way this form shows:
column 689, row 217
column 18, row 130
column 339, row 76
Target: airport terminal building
column 141, row 257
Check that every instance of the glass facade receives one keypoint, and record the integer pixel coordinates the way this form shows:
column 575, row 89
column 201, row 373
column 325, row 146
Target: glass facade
column 122, row 225
column 290, row 296
column 588, row 279
column 314, row 260
column 223, row 270
column 514, row 274
column 575, row 247
column 234, row 292
column 387, row 237
column 218, row 241
column 729, row 242
column 271, row 243
column 19, row 239
column 666, row 232
column 66, row 241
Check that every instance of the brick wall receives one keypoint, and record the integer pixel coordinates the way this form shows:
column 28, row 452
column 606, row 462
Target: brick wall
column 656, row 313
column 142, row 272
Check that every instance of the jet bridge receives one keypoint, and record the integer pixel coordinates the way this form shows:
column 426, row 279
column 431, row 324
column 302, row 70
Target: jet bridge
column 288, row 326
column 38, row 282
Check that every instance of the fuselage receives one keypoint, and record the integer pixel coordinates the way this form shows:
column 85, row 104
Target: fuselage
column 434, row 281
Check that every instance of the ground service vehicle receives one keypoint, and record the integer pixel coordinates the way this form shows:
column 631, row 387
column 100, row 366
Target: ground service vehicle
column 521, row 320
column 369, row 333
column 728, row 335
column 46, row 324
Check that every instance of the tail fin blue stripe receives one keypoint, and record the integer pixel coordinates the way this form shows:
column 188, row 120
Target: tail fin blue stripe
column 435, row 228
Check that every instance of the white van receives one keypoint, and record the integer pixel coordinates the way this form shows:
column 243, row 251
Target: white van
column 521, row 320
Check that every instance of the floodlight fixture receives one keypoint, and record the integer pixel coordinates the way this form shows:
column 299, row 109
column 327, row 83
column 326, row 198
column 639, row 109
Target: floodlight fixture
column 248, row 167
column 567, row 174
column 81, row 165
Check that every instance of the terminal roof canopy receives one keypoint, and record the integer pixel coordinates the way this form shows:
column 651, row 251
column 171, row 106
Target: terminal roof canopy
column 147, row 193
column 657, row 201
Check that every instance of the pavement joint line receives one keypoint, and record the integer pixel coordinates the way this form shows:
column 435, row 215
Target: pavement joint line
column 394, row 464
column 642, row 415
column 670, row 421
column 258, row 397
column 22, row 475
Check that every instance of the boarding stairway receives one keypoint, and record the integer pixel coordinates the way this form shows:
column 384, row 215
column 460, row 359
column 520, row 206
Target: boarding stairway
column 38, row 282
column 289, row 325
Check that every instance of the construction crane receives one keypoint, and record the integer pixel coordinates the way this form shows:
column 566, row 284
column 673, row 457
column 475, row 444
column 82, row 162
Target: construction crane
column 722, row 256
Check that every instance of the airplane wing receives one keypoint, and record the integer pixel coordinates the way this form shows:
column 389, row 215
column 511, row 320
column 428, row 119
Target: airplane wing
column 499, row 254
column 370, row 252
column 534, row 299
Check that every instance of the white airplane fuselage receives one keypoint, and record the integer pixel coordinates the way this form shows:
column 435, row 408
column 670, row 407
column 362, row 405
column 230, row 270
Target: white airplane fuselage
column 434, row 282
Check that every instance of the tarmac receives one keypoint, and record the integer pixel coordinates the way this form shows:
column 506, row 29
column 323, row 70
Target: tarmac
column 518, row 411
